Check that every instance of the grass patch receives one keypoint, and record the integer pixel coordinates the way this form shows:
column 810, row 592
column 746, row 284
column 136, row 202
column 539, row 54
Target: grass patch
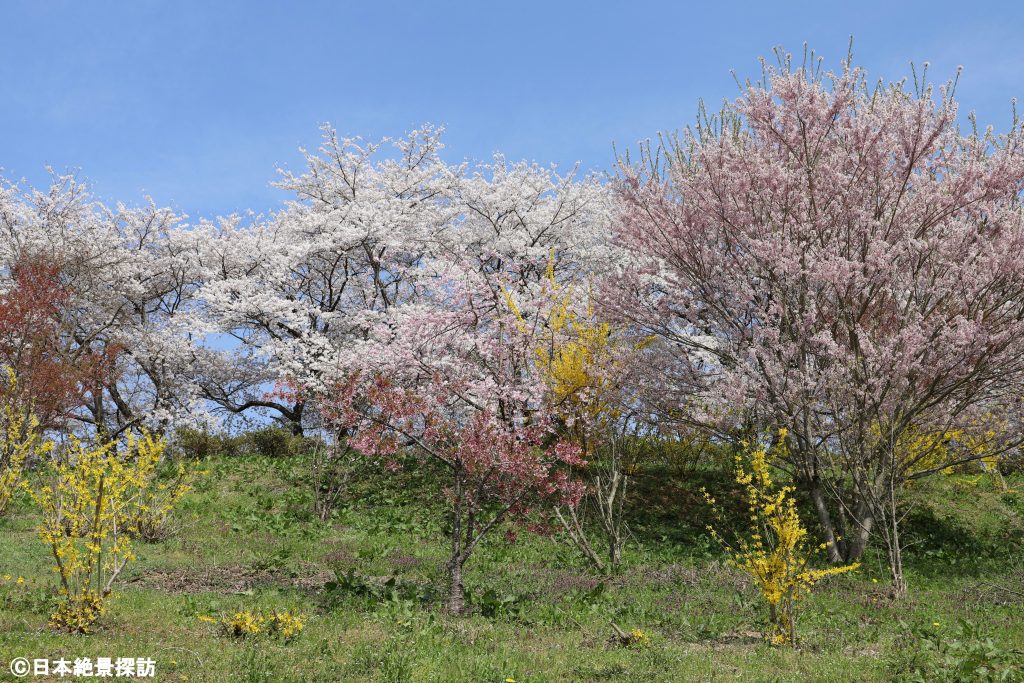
column 371, row 580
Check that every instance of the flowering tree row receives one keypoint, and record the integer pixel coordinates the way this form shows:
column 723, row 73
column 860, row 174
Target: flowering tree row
column 826, row 259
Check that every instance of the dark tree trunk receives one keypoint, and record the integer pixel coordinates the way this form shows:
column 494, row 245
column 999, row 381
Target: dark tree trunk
column 456, row 591
column 835, row 556
column 295, row 419
column 861, row 535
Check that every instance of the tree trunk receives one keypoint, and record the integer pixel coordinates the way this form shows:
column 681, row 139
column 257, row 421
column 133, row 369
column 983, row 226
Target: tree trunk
column 825, row 519
column 577, row 535
column 615, row 552
column 859, row 543
column 899, row 582
column 863, row 513
column 295, row 419
column 613, row 516
column 456, row 591
column 891, row 518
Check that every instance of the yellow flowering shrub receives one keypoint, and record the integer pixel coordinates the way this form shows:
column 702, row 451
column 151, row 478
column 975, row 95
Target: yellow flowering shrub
column 90, row 497
column 985, row 446
column 245, row 624
column 572, row 353
column 242, row 624
column 21, row 441
column 285, row 625
column 775, row 552
column 152, row 511
column 922, row 450
column 637, row 638
column 579, row 360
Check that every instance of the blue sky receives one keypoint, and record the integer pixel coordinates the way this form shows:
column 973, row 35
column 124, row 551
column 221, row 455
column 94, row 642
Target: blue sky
column 196, row 103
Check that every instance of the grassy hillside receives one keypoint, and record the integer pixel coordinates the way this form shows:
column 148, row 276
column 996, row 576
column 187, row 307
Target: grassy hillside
column 371, row 583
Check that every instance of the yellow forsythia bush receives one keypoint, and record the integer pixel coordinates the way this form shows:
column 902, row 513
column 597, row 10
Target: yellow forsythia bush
column 90, row 498
column 775, row 552
column 573, row 352
column 921, row 451
column 21, row 441
column 285, row 625
column 155, row 502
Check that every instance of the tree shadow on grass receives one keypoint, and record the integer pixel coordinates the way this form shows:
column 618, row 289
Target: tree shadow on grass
column 943, row 546
column 667, row 509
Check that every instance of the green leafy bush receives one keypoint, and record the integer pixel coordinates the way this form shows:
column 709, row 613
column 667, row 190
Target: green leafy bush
column 275, row 442
column 201, row 444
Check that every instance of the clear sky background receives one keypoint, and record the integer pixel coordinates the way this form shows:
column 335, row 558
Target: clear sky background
column 197, row 103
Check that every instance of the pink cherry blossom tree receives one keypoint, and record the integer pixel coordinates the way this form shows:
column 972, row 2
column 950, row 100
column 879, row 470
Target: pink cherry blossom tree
column 840, row 259
column 452, row 385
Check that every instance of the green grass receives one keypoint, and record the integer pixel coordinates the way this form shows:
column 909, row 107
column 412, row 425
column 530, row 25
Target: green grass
column 247, row 541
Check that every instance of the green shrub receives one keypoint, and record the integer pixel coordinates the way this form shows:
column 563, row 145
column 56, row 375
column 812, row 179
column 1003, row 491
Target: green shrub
column 275, row 442
column 200, row 444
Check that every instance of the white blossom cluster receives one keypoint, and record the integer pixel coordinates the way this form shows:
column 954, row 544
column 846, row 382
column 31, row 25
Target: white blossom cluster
column 210, row 315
